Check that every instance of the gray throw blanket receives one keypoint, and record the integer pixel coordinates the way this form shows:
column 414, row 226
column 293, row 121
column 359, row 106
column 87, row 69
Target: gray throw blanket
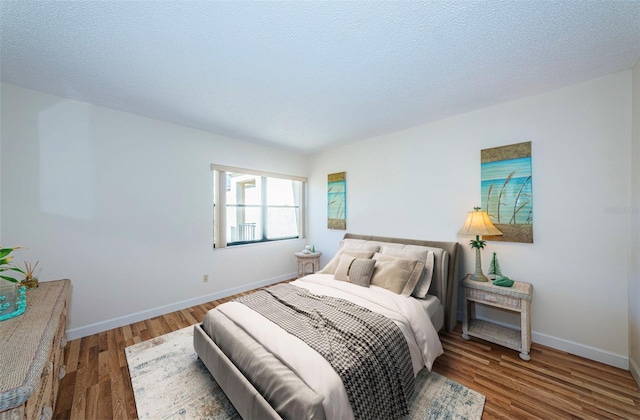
column 366, row 349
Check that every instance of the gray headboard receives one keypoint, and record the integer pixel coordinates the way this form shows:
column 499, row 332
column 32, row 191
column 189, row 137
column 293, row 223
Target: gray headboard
column 450, row 302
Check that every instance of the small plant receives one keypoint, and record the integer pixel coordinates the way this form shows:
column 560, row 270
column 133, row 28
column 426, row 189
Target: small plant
column 30, row 280
column 6, row 265
column 494, row 267
column 477, row 243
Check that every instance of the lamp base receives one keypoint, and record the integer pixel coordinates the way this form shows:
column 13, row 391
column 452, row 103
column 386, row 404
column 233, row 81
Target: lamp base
column 479, row 277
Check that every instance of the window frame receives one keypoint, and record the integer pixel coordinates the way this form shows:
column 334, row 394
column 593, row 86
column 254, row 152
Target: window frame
column 220, row 204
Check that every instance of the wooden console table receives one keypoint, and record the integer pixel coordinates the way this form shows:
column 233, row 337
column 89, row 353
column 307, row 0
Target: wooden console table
column 32, row 355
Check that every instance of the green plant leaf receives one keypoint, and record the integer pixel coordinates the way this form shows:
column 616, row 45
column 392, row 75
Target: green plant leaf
column 11, row 279
column 477, row 243
column 12, row 268
column 5, row 251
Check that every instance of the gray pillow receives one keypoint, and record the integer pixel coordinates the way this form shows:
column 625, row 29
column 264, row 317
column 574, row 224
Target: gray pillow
column 332, row 265
column 360, row 271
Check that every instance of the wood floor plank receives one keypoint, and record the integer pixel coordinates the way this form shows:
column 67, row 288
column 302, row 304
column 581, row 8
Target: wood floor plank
column 72, row 353
column 556, row 405
column 79, row 399
column 130, row 402
column 65, row 394
column 554, row 384
column 532, row 378
column 105, row 404
column 115, row 357
column 92, row 406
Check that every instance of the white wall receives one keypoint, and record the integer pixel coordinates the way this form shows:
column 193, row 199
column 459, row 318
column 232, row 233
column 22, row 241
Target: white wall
column 421, row 182
column 634, row 252
column 122, row 205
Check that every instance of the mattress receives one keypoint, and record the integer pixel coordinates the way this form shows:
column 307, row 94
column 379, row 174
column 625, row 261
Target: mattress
column 242, row 333
column 275, row 381
column 433, row 307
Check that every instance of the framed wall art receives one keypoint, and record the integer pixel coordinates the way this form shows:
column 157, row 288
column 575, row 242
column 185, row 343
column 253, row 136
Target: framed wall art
column 507, row 191
column 337, row 201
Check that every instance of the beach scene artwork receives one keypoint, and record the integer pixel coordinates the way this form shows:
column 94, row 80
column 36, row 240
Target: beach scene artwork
column 507, row 191
column 337, row 201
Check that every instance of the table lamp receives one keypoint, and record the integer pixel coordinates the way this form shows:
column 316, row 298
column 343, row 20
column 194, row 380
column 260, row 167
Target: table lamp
column 478, row 223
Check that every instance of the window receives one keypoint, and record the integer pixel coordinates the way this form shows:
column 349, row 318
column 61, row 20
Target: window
column 253, row 206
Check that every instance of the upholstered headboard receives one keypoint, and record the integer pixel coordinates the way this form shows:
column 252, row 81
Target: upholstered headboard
column 449, row 293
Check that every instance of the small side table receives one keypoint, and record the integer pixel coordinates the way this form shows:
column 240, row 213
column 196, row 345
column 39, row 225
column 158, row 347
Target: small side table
column 311, row 259
column 516, row 299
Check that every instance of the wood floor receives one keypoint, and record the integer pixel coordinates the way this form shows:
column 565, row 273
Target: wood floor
column 553, row 385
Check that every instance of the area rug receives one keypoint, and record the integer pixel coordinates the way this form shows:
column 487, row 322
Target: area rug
column 169, row 381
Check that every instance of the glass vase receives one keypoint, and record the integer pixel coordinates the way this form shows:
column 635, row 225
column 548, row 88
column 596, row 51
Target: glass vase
column 13, row 301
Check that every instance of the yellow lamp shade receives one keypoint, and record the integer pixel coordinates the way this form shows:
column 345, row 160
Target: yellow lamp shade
column 478, row 223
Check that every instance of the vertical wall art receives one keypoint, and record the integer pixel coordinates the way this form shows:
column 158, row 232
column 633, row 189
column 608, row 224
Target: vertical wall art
column 506, row 191
column 337, row 201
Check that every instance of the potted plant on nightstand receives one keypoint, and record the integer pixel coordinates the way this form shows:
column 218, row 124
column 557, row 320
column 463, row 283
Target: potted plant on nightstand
column 30, row 280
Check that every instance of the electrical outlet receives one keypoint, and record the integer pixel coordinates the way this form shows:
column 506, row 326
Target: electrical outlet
column 205, row 278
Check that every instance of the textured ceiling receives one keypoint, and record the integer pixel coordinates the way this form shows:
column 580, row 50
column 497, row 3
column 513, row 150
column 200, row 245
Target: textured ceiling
column 309, row 75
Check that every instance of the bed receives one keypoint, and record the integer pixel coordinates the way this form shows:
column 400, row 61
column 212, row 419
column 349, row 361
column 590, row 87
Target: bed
column 268, row 371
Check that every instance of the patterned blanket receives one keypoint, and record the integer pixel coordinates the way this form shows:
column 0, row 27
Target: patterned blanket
column 366, row 349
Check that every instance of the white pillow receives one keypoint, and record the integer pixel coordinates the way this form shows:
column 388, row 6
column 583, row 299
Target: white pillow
column 353, row 244
column 411, row 254
column 422, row 288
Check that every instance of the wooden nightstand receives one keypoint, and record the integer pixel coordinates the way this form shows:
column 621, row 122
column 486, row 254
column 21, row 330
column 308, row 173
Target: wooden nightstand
column 516, row 299
column 311, row 259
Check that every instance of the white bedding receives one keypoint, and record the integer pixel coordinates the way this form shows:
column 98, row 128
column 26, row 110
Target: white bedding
column 311, row 367
column 433, row 307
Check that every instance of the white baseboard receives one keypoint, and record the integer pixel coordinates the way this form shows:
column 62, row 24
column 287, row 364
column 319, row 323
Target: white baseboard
column 635, row 370
column 577, row 349
column 582, row 350
column 99, row 327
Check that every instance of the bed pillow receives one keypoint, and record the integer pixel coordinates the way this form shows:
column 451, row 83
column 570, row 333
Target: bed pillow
column 361, row 271
column 354, row 244
column 399, row 275
column 418, row 253
column 343, row 267
column 355, row 270
column 422, row 288
column 332, row 265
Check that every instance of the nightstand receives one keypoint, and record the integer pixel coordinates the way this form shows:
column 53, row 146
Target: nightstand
column 311, row 259
column 515, row 299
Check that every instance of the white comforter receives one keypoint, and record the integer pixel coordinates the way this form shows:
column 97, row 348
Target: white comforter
column 311, row 367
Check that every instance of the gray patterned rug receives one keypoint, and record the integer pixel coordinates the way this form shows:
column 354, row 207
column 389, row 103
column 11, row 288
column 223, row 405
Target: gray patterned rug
column 170, row 382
